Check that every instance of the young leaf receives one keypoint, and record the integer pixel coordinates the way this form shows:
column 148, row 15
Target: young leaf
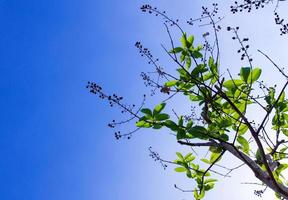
column 254, row 75
column 214, row 157
column 205, row 161
column 244, row 144
column 159, row 108
column 180, row 156
column 171, row 83
column 180, row 169
column 184, row 40
column 143, row 124
column 190, row 39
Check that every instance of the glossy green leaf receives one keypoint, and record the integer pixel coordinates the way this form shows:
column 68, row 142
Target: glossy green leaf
column 198, row 132
column 162, row 116
column 180, row 169
column 181, row 134
column 143, row 124
column 171, row 125
column 159, row 108
column 254, row 75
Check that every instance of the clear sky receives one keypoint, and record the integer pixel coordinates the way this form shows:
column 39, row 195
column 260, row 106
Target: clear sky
column 55, row 143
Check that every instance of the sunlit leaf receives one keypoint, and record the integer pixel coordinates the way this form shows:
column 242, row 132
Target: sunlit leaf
column 244, row 144
column 180, row 169
column 159, row 108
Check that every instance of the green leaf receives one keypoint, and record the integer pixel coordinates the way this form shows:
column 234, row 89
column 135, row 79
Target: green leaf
column 180, row 169
column 209, row 186
column 242, row 129
column 189, row 124
column 205, row 161
column 190, row 39
column 254, row 75
column 143, row 124
column 198, row 70
column 244, row 144
column 146, row 111
column 197, row 54
column 214, row 157
column 224, row 137
column 281, row 168
column 215, row 149
column 211, row 62
column 282, row 97
column 244, row 73
column 188, row 62
column 202, row 194
column 189, row 158
column 196, row 98
column 171, row 125
column 184, row 40
column 210, row 180
column 159, row 108
column 232, row 84
column 162, row 116
column 180, row 156
column 176, row 50
column 196, row 196
column 181, row 134
column 180, row 121
column 171, row 83
column 157, row 126
column 198, row 132
column 285, row 132
column 182, row 56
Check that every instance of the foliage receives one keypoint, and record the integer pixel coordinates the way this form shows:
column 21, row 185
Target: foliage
column 222, row 124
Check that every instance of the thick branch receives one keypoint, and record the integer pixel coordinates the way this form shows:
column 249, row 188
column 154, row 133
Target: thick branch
column 258, row 172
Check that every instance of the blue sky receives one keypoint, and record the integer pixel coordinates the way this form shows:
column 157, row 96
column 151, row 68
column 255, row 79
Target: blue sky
column 54, row 140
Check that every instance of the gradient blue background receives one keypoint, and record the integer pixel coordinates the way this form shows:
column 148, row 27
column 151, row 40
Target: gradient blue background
column 54, row 140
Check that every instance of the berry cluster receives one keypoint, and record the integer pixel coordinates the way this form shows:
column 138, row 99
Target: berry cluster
column 279, row 21
column 248, row 5
column 258, row 193
column 243, row 50
column 206, row 14
column 155, row 156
